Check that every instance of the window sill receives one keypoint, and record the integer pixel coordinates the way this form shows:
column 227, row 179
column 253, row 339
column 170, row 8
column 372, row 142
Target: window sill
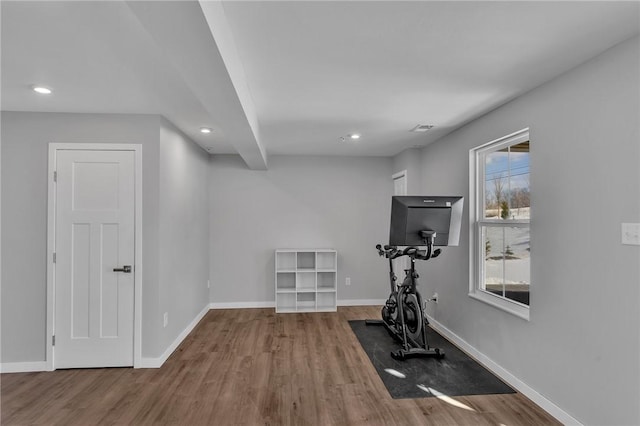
column 517, row 309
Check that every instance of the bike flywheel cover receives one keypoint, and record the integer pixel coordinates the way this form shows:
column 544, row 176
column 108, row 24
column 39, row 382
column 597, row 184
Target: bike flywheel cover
column 413, row 316
column 394, row 312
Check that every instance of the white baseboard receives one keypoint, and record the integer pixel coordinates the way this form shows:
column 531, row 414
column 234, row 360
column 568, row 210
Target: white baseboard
column 562, row 416
column 271, row 304
column 361, row 302
column 148, row 362
column 23, row 367
column 241, row 305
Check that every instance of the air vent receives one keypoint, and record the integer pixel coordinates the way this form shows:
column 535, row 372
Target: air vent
column 422, row 128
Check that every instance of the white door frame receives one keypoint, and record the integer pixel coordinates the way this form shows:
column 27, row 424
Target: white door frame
column 51, row 238
column 398, row 175
column 400, row 263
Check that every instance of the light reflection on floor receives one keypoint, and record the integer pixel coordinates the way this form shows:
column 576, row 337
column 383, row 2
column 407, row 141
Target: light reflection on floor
column 445, row 398
column 395, row 373
column 431, row 391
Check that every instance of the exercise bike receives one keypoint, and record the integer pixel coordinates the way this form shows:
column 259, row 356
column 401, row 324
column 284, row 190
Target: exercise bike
column 403, row 315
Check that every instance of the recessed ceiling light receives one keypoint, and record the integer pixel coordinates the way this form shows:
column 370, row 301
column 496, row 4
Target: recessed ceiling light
column 41, row 89
column 422, row 127
column 354, row 136
column 205, row 130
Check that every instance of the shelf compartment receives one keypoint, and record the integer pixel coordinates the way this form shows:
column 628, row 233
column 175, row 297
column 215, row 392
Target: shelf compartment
column 285, row 261
column 306, row 281
column 305, row 302
column 306, row 260
column 326, row 260
column 286, row 281
column 326, row 301
column 285, row 302
column 326, row 281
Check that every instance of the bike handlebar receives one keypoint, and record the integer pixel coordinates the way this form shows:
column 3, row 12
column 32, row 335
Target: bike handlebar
column 392, row 252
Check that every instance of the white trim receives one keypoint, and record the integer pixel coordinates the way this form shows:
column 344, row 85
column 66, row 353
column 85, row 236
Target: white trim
column 477, row 220
column 241, row 305
column 551, row 408
column 137, row 272
column 361, row 302
column 510, row 306
column 149, row 362
column 398, row 175
column 23, row 367
column 521, row 135
column 401, row 263
column 51, row 240
column 271, row 304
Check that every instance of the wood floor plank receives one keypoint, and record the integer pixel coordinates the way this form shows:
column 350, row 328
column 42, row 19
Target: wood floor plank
column 250, row 367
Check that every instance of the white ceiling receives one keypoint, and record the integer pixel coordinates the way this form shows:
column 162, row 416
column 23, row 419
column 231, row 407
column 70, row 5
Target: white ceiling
column 293, row 77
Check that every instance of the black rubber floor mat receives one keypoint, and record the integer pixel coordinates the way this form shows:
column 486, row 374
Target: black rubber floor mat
column 455, row 375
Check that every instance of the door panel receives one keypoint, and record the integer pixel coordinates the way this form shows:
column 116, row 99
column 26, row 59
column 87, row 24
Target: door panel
column 80, row 280
column 94, row 234
column 109, row 283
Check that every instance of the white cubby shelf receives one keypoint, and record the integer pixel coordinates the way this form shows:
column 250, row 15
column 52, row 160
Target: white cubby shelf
column 306, row 280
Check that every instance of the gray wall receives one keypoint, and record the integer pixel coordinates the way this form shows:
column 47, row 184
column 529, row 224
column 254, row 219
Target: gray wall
column 25, row 139
column 300, row 202
column 581, row 347
column 183, row 233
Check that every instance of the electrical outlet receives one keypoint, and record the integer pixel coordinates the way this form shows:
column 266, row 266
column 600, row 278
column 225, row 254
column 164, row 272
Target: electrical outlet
column 166, row 319
column 347, row 281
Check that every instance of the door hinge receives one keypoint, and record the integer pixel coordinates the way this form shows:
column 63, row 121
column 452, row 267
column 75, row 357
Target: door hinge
column 53, row 340
column 55, row 176
column 54, row 257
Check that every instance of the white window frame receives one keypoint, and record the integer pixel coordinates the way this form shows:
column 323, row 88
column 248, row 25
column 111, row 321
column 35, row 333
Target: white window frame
column 477, row 221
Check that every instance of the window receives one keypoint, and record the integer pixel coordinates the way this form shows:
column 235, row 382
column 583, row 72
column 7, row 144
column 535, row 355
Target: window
column 500, row 209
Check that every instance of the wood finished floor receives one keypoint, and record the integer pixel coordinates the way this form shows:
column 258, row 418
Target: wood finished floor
column 250, row 367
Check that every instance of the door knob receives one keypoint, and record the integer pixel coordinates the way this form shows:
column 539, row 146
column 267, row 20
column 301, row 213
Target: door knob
column 125, row 268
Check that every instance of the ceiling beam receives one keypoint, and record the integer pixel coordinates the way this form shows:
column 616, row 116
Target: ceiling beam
column 209, row 64
column 216, row 19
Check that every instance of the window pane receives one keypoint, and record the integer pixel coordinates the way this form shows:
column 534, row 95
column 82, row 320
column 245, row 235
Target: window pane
column 496, row 179
column 506, row 183
column 493, row 243
column 507, row 262
column 519, row 193
column 517, row 271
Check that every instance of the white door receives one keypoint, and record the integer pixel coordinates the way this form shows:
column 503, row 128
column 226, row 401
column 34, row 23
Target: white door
column 400, row 188
column 94, row 223
column 400, row 183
